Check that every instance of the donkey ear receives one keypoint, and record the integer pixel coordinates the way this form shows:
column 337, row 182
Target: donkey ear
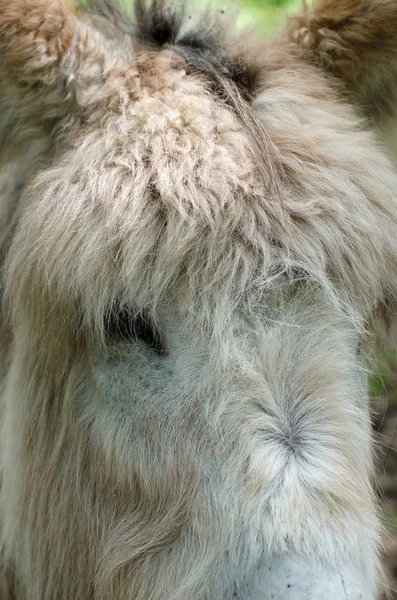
column 355, row 41
column 35, row 37
column 36, row 41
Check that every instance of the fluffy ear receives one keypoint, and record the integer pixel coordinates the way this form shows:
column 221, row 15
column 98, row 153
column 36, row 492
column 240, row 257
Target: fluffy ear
column 36, row 37
column 355, row 41
column 43, row 46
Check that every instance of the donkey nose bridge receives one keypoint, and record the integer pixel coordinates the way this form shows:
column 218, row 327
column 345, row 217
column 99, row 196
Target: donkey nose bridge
column 293, row 577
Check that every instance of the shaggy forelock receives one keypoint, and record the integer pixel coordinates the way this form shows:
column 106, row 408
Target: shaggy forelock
column 167, row 195
column 210, row 49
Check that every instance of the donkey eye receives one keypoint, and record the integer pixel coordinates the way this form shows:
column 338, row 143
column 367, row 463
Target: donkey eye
column 124, row 325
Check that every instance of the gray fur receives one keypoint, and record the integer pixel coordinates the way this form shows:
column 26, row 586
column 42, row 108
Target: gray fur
column 191, row 271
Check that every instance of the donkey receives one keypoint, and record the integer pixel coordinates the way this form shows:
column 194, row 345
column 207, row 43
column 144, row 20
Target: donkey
column 198, row 245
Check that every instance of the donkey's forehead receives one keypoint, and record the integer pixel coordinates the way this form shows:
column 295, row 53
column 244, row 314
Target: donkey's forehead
column 169, row 121
column 164, row 185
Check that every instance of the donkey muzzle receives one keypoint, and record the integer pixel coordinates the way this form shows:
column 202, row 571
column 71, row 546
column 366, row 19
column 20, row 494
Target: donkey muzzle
column 291, row 577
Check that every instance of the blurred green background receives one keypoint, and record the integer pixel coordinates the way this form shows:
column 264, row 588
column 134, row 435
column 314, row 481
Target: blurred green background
column 266, row 14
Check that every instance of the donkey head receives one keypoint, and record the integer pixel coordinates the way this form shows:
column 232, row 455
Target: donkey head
column 205, row 233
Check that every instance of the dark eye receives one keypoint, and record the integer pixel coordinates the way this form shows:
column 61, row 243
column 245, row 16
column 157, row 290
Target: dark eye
column 126, row 325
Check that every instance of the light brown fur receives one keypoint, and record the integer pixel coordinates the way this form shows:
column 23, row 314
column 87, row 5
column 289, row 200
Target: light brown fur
column 354, row 40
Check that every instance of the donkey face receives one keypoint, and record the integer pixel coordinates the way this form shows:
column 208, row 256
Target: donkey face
column 203, row 238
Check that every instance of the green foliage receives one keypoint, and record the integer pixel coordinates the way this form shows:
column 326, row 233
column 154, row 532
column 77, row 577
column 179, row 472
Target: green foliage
column 262, row 15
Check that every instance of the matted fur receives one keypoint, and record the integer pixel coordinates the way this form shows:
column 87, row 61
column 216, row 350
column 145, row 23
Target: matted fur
column 234, row 196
